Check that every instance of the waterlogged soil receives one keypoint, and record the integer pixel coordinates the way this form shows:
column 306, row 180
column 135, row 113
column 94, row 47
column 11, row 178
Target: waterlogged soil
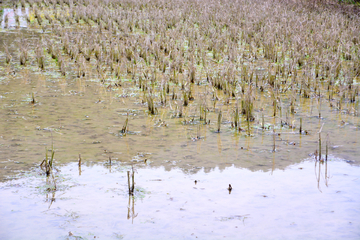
column 79, row 116
column 307, row 200
column 84, row 116
column 281, row 194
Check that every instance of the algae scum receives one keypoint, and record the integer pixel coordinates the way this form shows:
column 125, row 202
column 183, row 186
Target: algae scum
column 187, row 97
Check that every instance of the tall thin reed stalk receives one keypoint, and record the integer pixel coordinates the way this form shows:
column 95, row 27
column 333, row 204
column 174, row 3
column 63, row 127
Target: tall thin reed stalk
column 8, row 56
column 219, row 121
column 320, row 142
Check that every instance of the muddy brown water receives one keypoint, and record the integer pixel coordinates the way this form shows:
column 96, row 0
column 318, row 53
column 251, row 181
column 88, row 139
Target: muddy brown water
column 276, row 195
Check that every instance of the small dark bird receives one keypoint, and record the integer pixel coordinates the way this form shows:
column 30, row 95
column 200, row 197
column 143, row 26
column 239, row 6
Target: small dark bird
column 230, row 187
column 195, row 182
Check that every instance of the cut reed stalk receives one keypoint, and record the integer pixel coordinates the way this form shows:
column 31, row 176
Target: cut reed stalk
column 6, row 21
column 236, row 117
column 129, row 187
column 17, row 19
column 320, row 142
column 327, row 147
column 23, row 53
column 8, row 56
column 131, row 181
column 274, row 140
column 185, row 98
column 219, row 121
column 40, row 57
column 32, row 98
column 125, row 127
column 79, row 160
column 151, row 106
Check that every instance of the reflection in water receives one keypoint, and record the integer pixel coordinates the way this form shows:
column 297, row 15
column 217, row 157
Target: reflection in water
column 131, row 180
column 79, row 163
column 50, row 199
column 219, row 145
column 274, row 140
column 229, row 188
column 326, row 173
column 318, row 173
column 9, row 18
column 95, row 199
column 131, row 206
column 199, row 139
column 109, row 164
column 273, row 163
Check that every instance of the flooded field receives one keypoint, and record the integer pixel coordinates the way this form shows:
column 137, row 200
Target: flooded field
column 288, row 204
column 187, row 102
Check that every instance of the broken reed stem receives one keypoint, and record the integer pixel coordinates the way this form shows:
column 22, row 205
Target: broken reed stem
column 274, row 142
column 219, row 122
column 52, row 155
column 133, row 180
column 300, row 130
column 8, row 55
column 128, row 176
column 6, row 20
column 274, row 103
column 46, row 163
column 124, row 129
column 327, row 147
column 186, row 99
column 326, row 151
column 132, row 185
column 320, row 142
column 79, row 159
column 52, row 174
column 319, row 105
column 52, row 158
column 151, row 106
column 23, row 53
column 205, row 115
column 319, row 146
column 49, row 165
column 40, row 57
column 236, row 117
column 33, row 98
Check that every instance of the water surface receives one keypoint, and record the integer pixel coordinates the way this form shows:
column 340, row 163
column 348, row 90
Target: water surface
column 282, row 204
